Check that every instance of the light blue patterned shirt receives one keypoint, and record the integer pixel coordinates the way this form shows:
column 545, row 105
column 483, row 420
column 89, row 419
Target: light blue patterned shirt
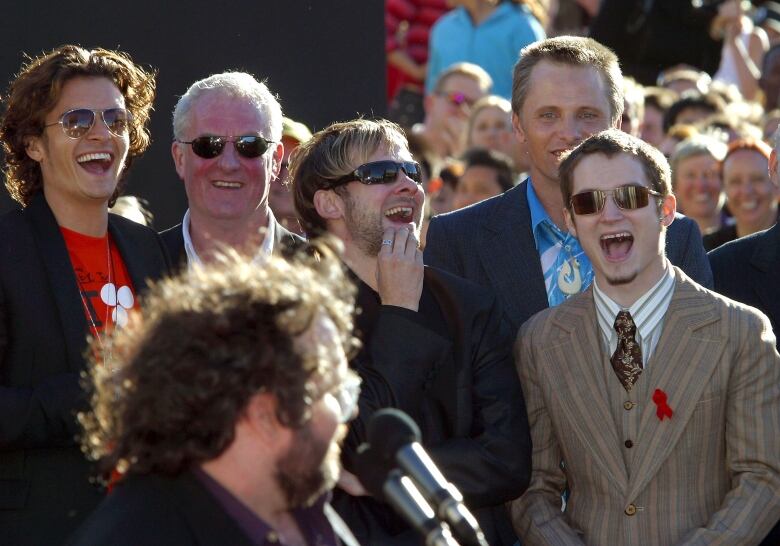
column 556, row 248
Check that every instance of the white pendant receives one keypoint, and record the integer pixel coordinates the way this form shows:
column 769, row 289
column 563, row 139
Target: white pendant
column 570, row 287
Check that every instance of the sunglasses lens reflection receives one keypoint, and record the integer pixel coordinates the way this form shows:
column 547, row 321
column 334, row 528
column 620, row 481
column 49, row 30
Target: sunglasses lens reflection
column 77, row 123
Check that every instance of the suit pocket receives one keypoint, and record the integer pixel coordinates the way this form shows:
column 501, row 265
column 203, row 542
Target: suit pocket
column 13, row 494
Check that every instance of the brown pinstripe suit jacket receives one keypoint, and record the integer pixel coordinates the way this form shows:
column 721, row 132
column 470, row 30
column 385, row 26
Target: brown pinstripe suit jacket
column 708, row 475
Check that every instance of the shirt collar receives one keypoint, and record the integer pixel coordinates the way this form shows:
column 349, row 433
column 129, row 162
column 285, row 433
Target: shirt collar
column 265, row 250
column 643, row 314
column 538, row 214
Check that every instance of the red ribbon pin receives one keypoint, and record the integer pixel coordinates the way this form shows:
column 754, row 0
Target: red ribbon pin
column 659, row 397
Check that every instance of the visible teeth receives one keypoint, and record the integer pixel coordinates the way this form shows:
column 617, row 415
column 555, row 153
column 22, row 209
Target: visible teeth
column 749, row 205
column 701, row 198
column 102, row 156
column 617, row 236
column 225, row 184
column 399, row 210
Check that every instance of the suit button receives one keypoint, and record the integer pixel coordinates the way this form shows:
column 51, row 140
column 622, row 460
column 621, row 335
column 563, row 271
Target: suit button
column 628, row 405
column 629, row 444
column 630, row 510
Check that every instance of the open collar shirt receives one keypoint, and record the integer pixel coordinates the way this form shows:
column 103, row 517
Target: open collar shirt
column 265, row 250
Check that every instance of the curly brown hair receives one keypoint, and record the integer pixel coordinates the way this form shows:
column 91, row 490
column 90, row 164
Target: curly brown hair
column 183, row 372
column 36, row 90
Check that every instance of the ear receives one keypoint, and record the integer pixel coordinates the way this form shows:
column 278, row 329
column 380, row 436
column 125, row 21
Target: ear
column 276, row 160
column 773, row 166
column 33, row 145
column 428, row 103
column 518, row 127
column 260, row 416
column 179, row 160
column 616, row 124
column 569, row 219
column 328, row 204
column 668, row 208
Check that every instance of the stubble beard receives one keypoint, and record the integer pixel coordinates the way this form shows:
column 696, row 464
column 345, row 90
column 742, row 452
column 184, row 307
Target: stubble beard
column 310, row 468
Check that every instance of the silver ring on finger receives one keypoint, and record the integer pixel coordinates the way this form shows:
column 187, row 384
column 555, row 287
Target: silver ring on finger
column 387, row 242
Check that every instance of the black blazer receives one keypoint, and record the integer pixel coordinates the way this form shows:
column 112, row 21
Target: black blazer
column 491, row 243
column 169, row 511
column 747, row 270
column 285, row 243
column 44, row 477
column 450, row 367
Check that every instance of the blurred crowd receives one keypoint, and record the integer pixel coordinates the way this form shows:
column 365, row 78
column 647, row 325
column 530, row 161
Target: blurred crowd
column 702, row 85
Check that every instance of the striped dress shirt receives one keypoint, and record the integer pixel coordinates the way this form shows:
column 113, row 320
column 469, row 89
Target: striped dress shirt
column 648, row 314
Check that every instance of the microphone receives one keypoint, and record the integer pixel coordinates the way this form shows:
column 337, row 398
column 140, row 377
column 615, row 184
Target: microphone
column 396, row 437
column 388, row 484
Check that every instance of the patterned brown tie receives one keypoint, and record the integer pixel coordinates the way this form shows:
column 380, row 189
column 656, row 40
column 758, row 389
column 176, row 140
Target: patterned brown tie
column 627, row 359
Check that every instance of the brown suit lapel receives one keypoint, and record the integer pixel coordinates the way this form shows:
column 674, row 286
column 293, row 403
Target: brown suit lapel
column 681, row 366
column 575, row 371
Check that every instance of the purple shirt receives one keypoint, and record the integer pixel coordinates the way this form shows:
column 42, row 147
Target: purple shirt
column 312, row 521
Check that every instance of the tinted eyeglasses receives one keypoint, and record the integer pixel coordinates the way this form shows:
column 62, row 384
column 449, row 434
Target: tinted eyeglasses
column 248, row 146
column 382, row 172
column 626, row 198
column 457, row 99
column 347, row 396
column 77, row 123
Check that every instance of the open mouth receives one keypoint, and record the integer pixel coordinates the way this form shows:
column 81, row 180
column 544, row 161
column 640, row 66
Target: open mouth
column 401, row 215
column 748, row 205
column 95, row 163
column 226, row 185
column 616, row 246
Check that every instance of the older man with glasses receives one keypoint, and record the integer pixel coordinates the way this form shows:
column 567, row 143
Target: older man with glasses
column 433, row 345
column 227, row 149
column 74, row 122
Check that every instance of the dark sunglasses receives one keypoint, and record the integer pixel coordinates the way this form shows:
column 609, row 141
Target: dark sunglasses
column 382, row 172
column 249, row 146
column 77, row 123
column 626, row 198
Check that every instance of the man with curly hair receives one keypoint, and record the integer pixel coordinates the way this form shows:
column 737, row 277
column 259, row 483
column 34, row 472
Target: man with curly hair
column 74, row 120
column 227, row 408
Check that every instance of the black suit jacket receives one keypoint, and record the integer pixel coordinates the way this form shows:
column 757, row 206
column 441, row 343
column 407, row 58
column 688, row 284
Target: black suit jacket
column 169, row 511
column 491, row 243
column 450, row 367
column 285, row 243
column 44, row 477
column 747, row 270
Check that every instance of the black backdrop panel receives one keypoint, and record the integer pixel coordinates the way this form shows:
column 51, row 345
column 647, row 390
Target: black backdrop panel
column 324, row 59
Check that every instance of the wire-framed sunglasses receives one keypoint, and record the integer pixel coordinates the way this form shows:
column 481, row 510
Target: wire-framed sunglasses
column 248, row 146
column 77, row 123
column 382, row 172
column 626, row 198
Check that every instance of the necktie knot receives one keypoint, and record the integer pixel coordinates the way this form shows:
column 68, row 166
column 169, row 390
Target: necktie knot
column 624, row 324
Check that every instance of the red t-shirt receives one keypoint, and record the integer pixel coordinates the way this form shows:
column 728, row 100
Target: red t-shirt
column 107, row 294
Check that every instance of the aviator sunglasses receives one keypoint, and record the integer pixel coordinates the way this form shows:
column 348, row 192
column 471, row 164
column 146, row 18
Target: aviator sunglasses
column 77, row 123
column 626, row 198
column 382, row 172
column 248, row 146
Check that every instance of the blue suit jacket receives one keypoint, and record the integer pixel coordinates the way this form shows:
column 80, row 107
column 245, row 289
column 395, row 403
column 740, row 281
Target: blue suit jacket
column 491, row 243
